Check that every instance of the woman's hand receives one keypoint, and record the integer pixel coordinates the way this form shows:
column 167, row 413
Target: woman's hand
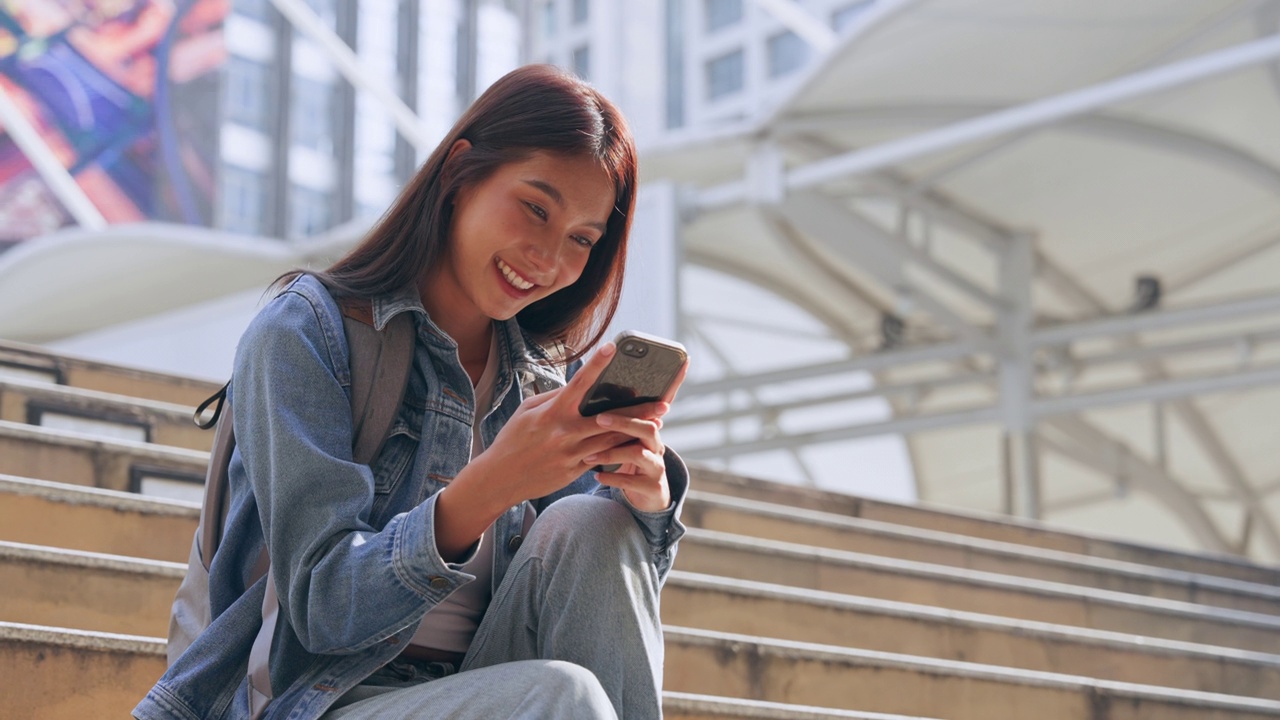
column 541, row 449
column 642, row 476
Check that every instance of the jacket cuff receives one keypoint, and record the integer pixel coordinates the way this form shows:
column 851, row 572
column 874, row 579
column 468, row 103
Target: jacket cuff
column 416, row 558
column 662, row 528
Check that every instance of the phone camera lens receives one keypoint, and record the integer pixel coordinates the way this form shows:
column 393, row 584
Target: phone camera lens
column 635, row 349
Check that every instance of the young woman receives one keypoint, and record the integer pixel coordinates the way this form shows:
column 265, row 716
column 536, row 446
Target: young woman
column 476, row 568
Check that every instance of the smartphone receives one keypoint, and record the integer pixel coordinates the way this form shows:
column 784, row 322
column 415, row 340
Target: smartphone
column 642, row 370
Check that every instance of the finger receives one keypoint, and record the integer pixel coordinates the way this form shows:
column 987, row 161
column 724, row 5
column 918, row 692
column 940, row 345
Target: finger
column 645, row 411
column 670, row 395
column 587, row 375
column 646, row 431
column 647, row 462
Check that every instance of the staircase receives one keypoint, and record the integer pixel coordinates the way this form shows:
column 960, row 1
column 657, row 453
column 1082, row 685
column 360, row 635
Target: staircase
column 785, row 602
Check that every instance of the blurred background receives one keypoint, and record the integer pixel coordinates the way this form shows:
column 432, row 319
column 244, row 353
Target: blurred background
column 1005, row 256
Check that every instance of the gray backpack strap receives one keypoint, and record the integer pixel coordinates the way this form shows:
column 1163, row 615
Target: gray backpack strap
column 380, row 365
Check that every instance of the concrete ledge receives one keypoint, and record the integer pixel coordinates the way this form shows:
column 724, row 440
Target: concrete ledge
column 114, row 500
column 118, row 379
column 984, row 525
column 89, row 591
column 82, row 459
column 775, row 611
column 166, row 423
column 687, row 706
column 55, row 674
column 809, row 673
column 840, row 571
column 812, row 527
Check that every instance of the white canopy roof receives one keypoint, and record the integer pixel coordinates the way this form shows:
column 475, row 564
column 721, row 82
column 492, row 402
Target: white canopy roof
column 998, row 174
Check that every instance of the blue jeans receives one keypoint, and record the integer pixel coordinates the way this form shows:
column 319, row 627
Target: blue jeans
column 572, row 632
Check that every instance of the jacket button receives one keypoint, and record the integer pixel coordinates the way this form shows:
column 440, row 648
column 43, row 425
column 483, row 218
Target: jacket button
column 439, row 583
column 514, row 543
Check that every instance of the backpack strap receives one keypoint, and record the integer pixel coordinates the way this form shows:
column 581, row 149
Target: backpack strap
column 380, row 365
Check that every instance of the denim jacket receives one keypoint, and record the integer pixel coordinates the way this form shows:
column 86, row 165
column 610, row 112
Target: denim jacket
column 352, row 546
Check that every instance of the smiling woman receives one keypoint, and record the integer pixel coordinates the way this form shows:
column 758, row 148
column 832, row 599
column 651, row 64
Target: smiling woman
column 476, row 567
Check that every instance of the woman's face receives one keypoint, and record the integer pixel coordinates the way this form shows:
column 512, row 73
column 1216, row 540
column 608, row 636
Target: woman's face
column 518, row 236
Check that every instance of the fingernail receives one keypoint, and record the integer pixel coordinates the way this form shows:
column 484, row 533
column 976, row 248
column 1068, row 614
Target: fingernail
column 591, row 459
column 605, row 420
column 664, row 408
column 607, row 349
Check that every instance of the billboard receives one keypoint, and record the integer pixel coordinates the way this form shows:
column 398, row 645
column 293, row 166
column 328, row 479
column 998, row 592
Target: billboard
column 124, row 93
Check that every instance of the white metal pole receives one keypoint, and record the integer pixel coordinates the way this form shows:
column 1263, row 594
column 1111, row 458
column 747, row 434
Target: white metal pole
column 73, row 198
column 1158, row 320
column 306, row 21
column 801, row 22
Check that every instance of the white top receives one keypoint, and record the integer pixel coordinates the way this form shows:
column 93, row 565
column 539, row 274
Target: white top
column 452, row 624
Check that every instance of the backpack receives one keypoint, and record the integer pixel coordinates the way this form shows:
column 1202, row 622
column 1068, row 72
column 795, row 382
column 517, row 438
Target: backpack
column 380, row 365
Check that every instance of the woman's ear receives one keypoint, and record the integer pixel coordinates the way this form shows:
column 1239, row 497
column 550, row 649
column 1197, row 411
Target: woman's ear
column 461, row 145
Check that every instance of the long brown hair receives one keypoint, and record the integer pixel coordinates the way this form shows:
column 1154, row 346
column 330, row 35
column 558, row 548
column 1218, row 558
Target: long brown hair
column 533, row 108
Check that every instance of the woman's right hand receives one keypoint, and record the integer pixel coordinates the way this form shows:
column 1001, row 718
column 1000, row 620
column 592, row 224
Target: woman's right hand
column 539, row 451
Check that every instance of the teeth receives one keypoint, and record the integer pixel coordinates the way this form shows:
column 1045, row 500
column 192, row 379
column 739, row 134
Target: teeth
column 512, row 277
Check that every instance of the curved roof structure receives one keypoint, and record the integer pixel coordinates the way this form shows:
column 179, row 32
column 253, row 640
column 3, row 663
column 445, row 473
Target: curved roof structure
column 79, row 280
column 1051, row 231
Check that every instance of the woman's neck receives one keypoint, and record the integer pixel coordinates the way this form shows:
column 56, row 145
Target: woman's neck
column 473, row 333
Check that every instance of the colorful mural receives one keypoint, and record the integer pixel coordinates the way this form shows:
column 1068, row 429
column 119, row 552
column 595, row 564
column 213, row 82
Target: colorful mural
column 125, row 95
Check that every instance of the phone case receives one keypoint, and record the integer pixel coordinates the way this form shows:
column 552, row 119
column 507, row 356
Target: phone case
column 641, row 371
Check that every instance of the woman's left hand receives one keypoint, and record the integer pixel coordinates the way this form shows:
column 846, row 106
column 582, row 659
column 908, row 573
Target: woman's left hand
column 643, row 475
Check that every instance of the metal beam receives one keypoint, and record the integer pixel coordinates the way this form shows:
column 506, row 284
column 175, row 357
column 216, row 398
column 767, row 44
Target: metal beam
column 897, row 426
column 348, row 65
column 683, row 419
column 1157, row 391
column 864, row 244
column 47, row 165
column 1092, row 448
column 1156, row 320
column 801, row 22
column 867, row 363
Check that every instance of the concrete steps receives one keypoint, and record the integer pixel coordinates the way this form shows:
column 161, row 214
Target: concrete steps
column 785, row 603
column 32, row 363
column 989, row 527
column 112, row 671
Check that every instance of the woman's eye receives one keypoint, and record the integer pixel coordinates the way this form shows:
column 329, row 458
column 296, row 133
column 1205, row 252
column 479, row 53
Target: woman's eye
column 542, row 214
column 585, row 242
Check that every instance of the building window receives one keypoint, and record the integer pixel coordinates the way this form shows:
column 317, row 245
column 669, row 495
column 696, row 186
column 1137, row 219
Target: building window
column 549, row 19
column 722, row 13
column 247, row 92
column 309, row 212
column 725, row 74
column 580, row 10
column 582, row 62
column 787, row 52
column 242, row 199
column 844, row 17
column 312, row 117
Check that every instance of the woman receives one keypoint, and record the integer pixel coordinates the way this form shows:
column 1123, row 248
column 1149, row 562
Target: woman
column 441, row 581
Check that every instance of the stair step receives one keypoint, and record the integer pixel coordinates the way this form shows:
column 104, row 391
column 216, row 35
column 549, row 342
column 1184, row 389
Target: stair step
column 73, row 517
column 823, row 529
column 770, row 561
column 115, row 594
column 162, row 423
column 33, row 362
column 750, row 608
column 112, row 673
column 81, row 459
column 980, row 525
column 86, row 591
column 69, row 516
column 807, row 673
column 55, row 673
